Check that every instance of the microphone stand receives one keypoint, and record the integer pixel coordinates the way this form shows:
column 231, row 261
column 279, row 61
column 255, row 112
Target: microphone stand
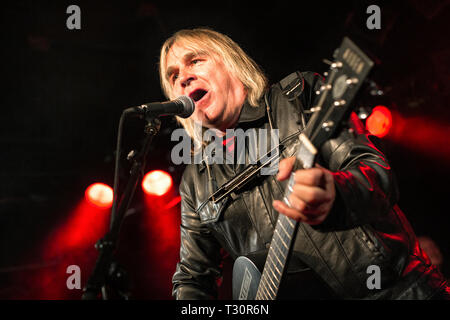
column 107, row 275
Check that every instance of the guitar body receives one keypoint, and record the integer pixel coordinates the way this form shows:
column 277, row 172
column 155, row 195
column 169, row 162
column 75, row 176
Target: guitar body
column 246, row 277
column 300, row 282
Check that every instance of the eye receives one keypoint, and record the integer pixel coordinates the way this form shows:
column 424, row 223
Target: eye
column 195, row 61
column 174, row 77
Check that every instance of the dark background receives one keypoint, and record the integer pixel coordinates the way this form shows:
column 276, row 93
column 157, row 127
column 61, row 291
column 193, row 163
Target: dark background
column 64, row 91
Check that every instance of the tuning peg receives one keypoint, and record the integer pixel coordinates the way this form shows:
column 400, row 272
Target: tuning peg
column 325, row 87
column 327, row 125
column 333, row 65
column 336, row 65
column 338, row 103
column 351, row 81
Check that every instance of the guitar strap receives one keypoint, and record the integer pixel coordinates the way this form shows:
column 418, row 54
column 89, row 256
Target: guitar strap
column 292, row 87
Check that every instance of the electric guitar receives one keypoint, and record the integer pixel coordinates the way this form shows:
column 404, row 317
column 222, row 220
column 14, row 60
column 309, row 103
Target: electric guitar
column 343, row 80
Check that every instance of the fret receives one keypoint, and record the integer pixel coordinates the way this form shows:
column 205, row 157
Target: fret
column 269, row 257
column 276, row 258
column 279, row 249
column 269, row 266
column 267, row 287
column 270, row 287
column 289, row 220
column 265, row 292
column 285, row 231
column 279, row 236
column 274, row 285
column 262, row 290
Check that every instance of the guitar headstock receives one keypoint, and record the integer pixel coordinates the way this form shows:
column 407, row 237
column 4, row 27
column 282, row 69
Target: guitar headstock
column 344, row 78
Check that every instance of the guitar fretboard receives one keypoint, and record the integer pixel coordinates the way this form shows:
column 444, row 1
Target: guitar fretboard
column 283, row 235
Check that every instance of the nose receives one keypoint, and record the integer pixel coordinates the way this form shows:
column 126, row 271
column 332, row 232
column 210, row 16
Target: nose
column 185, row 79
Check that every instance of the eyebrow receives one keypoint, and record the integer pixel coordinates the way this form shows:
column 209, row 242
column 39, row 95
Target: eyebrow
column 187, row 57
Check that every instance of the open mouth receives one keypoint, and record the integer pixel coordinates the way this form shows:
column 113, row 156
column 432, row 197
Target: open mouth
column 198, row 94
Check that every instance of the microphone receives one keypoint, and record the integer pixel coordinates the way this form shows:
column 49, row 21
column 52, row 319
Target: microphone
column 183, row 107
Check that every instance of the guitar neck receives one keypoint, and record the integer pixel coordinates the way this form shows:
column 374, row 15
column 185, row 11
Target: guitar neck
column 285, row 231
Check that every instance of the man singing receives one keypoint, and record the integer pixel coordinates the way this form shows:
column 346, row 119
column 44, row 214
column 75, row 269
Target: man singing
column 346, row 205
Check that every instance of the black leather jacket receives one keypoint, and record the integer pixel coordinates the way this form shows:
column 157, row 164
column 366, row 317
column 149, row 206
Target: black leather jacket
column 365, row 227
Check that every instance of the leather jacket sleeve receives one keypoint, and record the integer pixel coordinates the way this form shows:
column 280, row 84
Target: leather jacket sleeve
column 366, row 189
column 200, row 256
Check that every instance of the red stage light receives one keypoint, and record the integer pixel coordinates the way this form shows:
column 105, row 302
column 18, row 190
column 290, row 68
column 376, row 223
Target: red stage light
column 156, row 182
column 100, row 195
column 379, row 122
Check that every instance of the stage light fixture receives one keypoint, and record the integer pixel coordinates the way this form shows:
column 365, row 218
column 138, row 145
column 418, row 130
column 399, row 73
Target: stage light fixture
column 156, row 182
column 100, row 195
column 379, row 122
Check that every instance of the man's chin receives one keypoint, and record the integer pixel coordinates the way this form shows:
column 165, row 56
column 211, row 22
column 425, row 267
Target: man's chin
column 209, row 121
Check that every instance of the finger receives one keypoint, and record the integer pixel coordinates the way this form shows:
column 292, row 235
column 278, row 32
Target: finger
column 319, row 216
column 310, row 177
column 328, row 177
column 310, row 212
column 296, row 203
column 329, row 181
column 283, row 208
column 285, row 168
column 312, row 196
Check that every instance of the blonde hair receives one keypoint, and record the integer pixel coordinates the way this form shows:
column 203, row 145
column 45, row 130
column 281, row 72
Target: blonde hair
column 234, row 58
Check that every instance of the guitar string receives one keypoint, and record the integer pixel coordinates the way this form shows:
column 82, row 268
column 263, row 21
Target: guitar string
column 281, row 263
column 276, row 280
column 285, row 231
column 269, row 266
column 265, row 276
column 263, row 284
column 280, row 250
column 273, row 262
column 261, row 292
column 289, row 221
column 284, row 243
column 274, row 285
column 269, row 286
